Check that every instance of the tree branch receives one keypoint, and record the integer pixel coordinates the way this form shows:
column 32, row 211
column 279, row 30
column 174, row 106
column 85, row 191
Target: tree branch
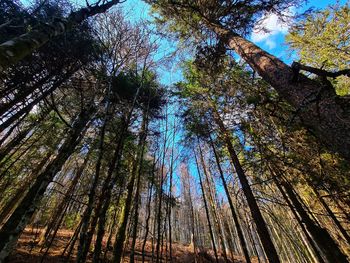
column 296, row 66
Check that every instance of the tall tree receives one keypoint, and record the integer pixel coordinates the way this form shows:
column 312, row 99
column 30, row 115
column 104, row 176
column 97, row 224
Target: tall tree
column 317, row 105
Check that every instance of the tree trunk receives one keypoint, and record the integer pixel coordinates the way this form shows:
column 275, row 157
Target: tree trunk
column 232, row 208
column 27, row 108
column 317, row 105
column 84, row 245
column 206, row 211
column 321, row 237
column 19, row 47
column 11, row 204
column 213, row 205
column 160, row 199
column 139, row 163
column 149, row 209
column 263, row 232
column 14, row 226
column 315, row 250
column 330, row 212
column 123, row 222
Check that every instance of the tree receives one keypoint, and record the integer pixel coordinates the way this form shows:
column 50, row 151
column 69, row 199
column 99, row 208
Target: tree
column 17, row 48
column 198, row 91
column 19, row 219
column 228, row 22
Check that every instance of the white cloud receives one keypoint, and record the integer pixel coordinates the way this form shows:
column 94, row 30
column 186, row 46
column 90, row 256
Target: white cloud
column 269, row 27
column 270, row 43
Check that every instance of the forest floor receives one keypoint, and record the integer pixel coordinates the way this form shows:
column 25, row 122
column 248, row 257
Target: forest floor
column 28, row 251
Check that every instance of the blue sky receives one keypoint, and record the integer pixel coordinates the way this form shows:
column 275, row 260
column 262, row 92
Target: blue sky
column 273, row 42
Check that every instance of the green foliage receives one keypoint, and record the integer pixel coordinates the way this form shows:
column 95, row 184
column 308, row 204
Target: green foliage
column 322, row 40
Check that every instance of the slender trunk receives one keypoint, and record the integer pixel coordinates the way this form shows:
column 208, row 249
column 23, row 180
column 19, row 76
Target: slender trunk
column 315, row 250
column 22, row 95
column 63, row 205
column 213, row 205
column 6, row 149
column 84, row 245
column 161, row 190
column 324, row 241
column 139, row 163
column 11, row 205
column 11, row 129
column 27, row 108
column 72, row 241
column 206, row 211
column 148, row 211
column 124, row 216
column 263, row 232
column 14, row 226
column 330, row 213
column 104, row 200
column 232, row 208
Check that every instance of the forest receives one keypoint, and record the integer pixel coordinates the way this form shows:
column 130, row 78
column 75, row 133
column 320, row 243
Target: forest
column 175, row 131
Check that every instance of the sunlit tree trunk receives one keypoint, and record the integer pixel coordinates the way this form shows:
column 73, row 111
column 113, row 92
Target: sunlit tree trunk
column 262, row 229
column 147, row 223
column 320, row 236
column 317, row 105
column 14, row 226
column 160, row 196
column 232, row 208
column 212, row 203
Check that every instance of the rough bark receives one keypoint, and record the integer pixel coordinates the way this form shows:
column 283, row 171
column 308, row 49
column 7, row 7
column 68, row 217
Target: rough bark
column 317, row 105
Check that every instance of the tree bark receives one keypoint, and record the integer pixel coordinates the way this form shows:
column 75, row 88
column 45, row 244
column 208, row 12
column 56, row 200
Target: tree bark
column 149, row 209
column 317, row 105
column 139, row 163
column 124, row 216
column 212, row 202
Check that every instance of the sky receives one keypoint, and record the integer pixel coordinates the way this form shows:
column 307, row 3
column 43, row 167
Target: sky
column 272, row 41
